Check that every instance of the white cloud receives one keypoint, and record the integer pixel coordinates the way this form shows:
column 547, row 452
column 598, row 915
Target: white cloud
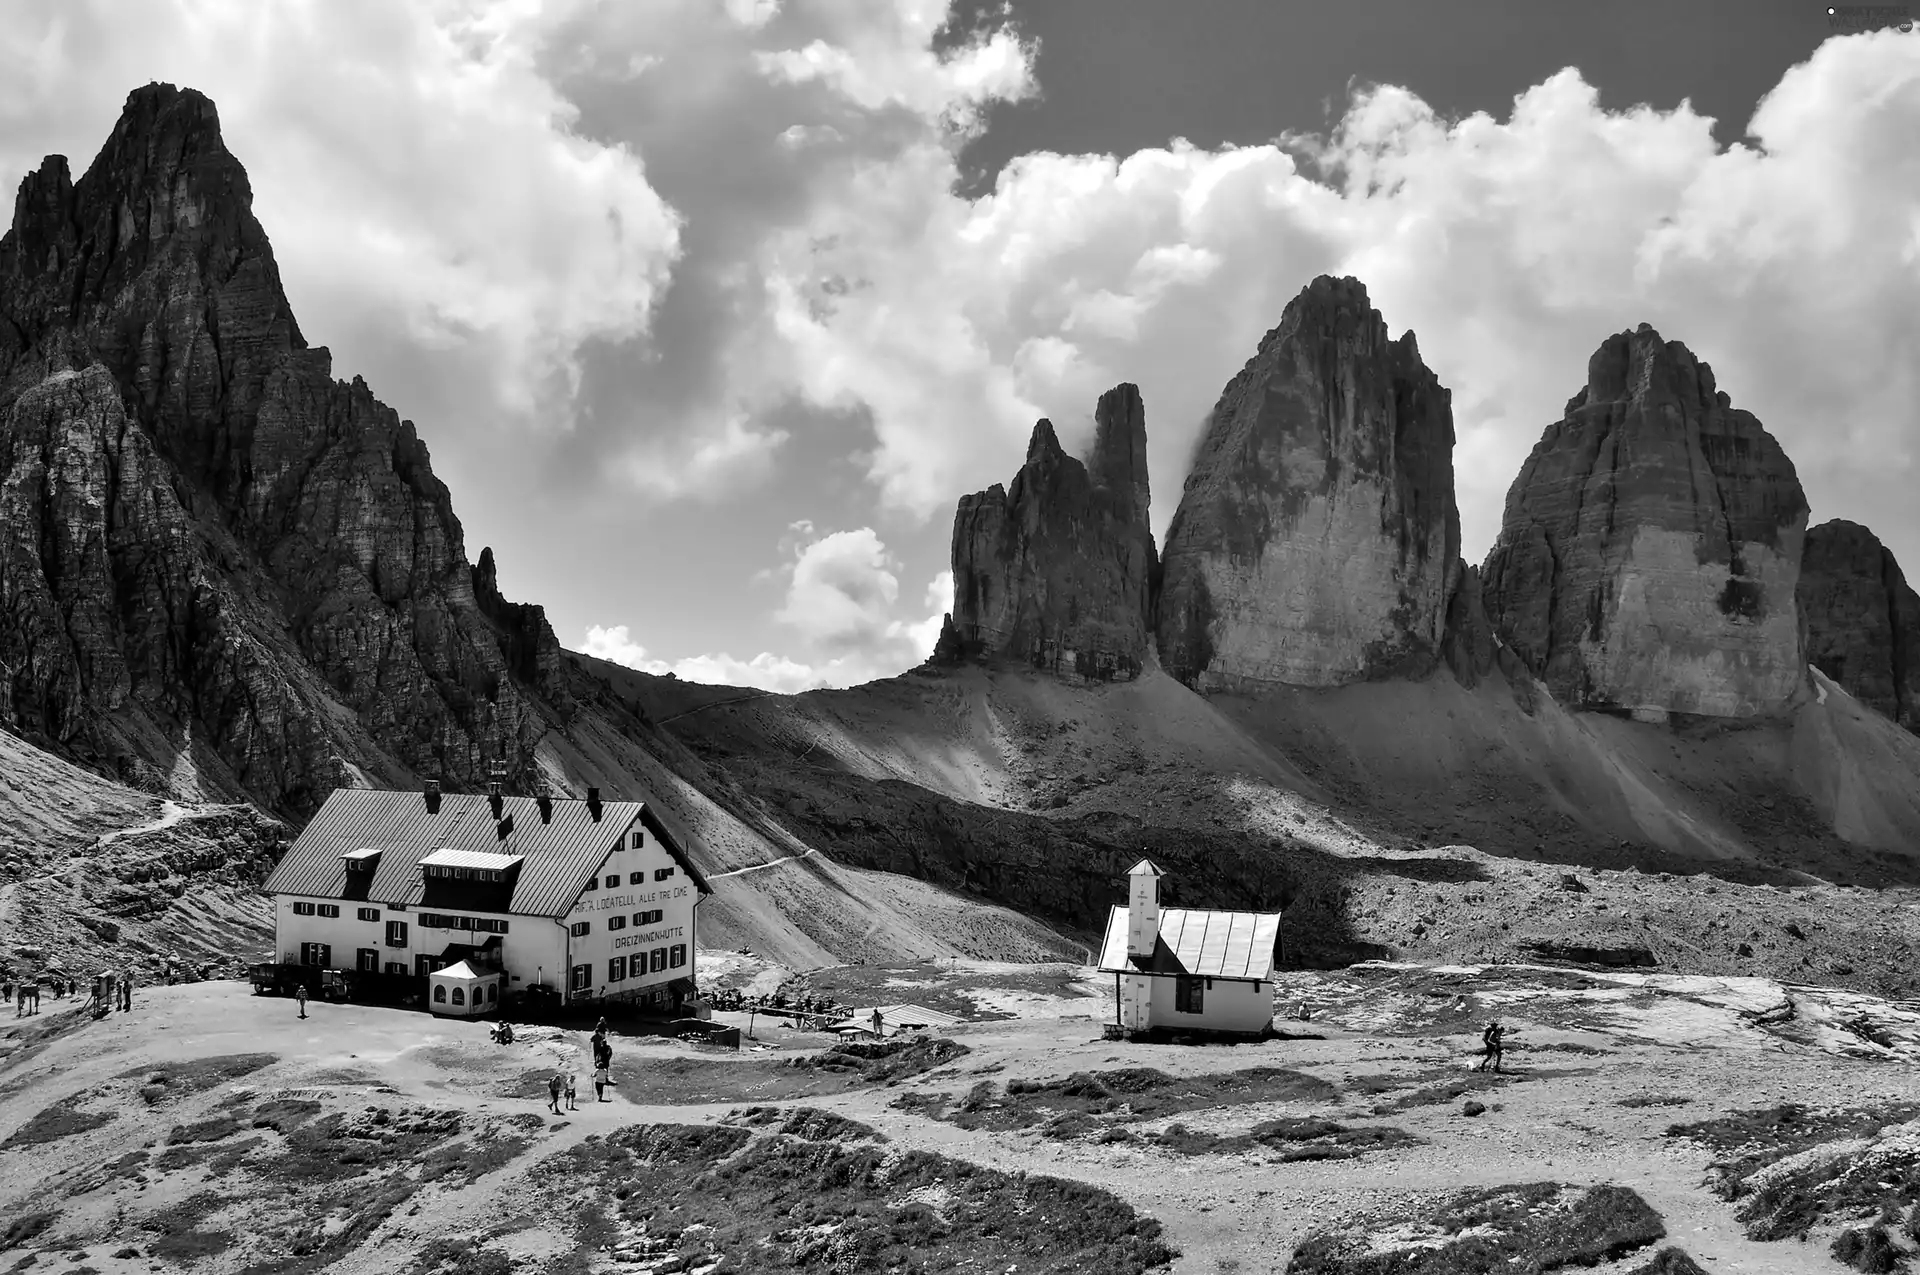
column 420, row 177
column 1513, row 247
column 841, row 594
column 766, row 671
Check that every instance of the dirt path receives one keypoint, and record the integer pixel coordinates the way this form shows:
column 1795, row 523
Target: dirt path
column 760, row 867
column 171, row 813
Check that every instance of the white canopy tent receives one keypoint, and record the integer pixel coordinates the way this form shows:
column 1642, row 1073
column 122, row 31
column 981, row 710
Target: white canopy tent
column 461, row 991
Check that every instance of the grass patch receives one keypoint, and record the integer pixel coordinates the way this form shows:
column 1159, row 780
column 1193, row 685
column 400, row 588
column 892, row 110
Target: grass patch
column 1536, row 1227
column 212, row 1129
column 63, row 1119
column 24, row 1228
column 761, row 1194
column 1287, row 1139
column 181, row 1234
column 1793, row 1168
column 168, row 1082
column 460, row 1257
column 1086, row 1101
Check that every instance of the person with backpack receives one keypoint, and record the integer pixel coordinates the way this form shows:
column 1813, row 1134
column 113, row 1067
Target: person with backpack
column 555, row 1087
column 1491, row 1040
column 300, row 994
column 601, row 1079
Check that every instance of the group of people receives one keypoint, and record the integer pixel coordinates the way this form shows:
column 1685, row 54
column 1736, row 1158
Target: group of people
column 111, row 991
column 732, row 998
column 561, row 1085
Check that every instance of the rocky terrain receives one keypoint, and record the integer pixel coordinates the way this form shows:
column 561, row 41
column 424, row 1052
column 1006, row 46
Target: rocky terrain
column 1317, row 541
column 1753, row 1127
column 95, row 876
column 1650, row 551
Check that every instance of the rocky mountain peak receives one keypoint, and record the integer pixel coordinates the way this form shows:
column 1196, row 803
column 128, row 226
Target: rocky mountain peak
column 1043, row 447
column 1862, row 619
column 1650, row 548
column 1317, row 539
column 220, row 561
column 1056, row 568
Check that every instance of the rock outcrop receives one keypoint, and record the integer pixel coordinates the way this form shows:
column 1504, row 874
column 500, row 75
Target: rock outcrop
column 215, row 559
column 1650, row 547
column 1057, row 569
column 1317, row 540
column 1862, row 619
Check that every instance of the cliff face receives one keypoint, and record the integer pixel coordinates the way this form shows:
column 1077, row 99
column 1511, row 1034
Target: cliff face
column 1862, row 619
column 1650, row 548
column 215, row 559
column 1057, row 569
column 1317, row 540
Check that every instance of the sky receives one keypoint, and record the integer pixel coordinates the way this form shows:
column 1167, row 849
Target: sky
column 710, row 310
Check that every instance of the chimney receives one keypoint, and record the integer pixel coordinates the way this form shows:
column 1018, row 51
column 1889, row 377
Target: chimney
column 545, row 802
column 495, row 800
column 505, row 829
column 593, row 803
column 432, row 795
column 1143, row 910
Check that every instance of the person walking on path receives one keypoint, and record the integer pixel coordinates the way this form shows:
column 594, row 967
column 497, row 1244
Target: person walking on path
column 1490, row 1038
column 571, row 1093
column 555, row 1087
column 300, row 994
column 126, row 990
column 600, row 1082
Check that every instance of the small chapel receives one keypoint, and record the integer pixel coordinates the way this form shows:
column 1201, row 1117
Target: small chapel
column 1188, row 969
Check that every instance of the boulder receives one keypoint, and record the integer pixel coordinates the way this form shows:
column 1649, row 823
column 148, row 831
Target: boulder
column 1316, row 541
column 1862, row 619
column 1056, row 570
column 1650, row 548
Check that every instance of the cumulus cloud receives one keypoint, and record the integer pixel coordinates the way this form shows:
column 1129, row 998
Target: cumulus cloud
column 419, row 173
column 1513, row 247
column 842, row 589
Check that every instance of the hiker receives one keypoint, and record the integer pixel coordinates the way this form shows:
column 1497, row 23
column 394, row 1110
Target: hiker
column 1490, row 1038
column 300, row 994
column 570, row 1093
column 876, row 1024
column 126, row 990
column 555, row 1087
column 503, row 1033
column 600, row 1082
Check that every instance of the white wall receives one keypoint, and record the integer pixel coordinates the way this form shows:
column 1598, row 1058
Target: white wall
column 533, row 946
column 1226, row 1005
column 674, row 897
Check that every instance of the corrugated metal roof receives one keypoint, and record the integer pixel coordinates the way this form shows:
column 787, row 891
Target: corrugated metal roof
column 1198, row 941
column 492, row 861
column 557, row 856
